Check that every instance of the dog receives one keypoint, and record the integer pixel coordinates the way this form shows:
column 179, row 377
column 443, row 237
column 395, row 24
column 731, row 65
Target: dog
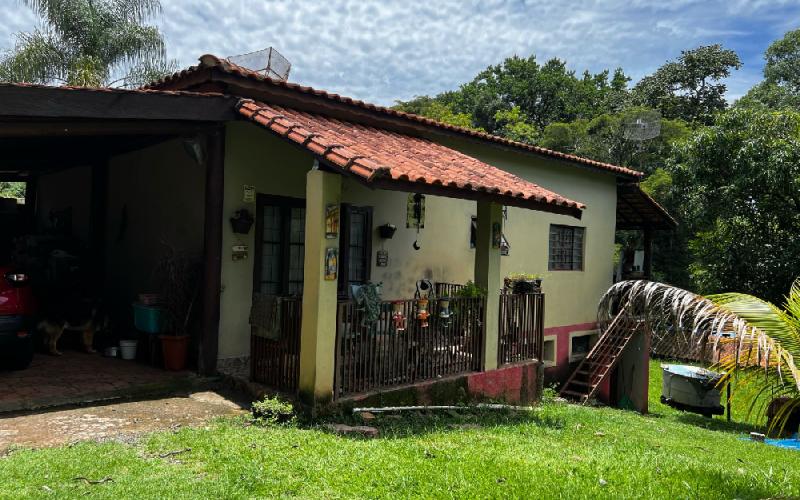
column 85, row 316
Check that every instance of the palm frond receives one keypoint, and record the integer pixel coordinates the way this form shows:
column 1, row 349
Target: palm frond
column 690, row 325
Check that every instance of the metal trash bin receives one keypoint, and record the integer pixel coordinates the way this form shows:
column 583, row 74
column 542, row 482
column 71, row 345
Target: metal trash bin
column 691, row 388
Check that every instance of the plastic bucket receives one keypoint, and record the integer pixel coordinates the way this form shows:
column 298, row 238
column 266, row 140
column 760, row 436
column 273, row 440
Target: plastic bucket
column 148, row 319
column 127, row 349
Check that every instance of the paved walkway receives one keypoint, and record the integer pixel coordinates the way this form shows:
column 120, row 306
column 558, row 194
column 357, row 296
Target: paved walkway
column 117, row 421
column 76, row 377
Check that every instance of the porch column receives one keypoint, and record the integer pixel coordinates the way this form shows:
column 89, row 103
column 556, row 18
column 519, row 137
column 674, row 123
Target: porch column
column 487, row 275
column 318, row 331
column 647, row 265
column 212, row 251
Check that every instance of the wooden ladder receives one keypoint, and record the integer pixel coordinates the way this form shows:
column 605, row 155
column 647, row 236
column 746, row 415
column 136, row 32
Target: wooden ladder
column 583, row 383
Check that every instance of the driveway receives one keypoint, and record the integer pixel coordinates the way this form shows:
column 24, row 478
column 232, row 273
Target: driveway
column 120, row 421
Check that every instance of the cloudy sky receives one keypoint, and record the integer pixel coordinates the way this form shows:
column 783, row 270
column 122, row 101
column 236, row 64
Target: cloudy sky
column 380, row 51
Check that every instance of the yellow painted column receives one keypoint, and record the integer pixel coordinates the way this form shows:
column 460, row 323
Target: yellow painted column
column 487, row 274
column 318, row 331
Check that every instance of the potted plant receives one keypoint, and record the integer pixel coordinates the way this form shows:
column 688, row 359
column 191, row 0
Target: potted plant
column 178, row 276
column 519, row 283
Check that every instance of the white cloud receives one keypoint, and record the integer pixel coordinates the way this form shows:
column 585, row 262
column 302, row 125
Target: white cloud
column 385, row 50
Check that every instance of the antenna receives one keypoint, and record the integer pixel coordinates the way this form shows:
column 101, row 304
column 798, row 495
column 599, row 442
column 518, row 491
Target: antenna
column 269, row 62
column 642, row 125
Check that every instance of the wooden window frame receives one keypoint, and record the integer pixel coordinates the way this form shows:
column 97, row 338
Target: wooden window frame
column 550, row 263
column 344, row 246
column 285, row 203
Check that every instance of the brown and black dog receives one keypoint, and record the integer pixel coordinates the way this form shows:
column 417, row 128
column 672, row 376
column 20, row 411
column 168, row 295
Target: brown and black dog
column 86, row 316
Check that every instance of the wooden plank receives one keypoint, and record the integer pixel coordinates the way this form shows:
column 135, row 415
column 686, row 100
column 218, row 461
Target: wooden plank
column 59, row 102
column 103, row 128
column 212, row 251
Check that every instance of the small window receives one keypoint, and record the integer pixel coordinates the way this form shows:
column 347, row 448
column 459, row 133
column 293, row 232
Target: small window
column 580, row 343
column 566, row 248
column 505, row 247
column 549, row 351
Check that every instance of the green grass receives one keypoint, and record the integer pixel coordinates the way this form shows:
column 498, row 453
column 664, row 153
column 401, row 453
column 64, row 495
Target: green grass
column 558, row 450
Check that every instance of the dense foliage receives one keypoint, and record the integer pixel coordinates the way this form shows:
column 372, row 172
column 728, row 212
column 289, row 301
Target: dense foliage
column 89, row 43
column 729, row 176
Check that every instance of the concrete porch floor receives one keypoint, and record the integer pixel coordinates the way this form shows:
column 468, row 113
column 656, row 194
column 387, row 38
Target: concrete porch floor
column 76, row 378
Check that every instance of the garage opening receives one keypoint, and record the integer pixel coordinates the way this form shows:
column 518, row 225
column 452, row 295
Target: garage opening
column 103, row 248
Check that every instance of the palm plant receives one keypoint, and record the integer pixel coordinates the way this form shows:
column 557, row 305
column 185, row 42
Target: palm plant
column 89, row 43
column 756, row 341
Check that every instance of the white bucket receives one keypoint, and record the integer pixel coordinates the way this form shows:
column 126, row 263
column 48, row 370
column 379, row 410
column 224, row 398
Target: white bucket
column 128, row 349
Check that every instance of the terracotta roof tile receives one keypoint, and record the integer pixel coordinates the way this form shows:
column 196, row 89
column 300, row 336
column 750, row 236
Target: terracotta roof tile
column 375, row 154
column 211, row 61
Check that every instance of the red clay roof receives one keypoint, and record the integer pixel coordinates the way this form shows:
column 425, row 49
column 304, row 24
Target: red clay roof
column 387, row 158
column 211, row 61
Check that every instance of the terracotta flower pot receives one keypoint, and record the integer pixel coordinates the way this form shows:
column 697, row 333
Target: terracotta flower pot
column 174, row 348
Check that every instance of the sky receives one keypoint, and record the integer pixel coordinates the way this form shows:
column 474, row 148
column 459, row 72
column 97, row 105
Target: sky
column 381, row 51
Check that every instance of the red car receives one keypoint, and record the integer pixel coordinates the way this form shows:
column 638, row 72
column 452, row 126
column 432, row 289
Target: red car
column 16, row 319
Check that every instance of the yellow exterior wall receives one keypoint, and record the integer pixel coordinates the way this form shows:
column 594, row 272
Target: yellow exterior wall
column 255, row 157
column 572, row 296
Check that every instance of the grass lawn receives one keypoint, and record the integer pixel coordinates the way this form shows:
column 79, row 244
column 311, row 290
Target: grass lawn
column 559, row 450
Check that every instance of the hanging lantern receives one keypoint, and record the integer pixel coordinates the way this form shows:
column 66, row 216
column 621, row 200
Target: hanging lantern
column 422, row 312
column 444, row 310
column 398, row 318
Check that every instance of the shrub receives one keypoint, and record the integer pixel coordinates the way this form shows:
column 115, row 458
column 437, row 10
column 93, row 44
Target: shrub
column 272, row 411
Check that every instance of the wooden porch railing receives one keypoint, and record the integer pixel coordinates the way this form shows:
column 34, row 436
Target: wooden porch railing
column 521, row 334
column 275, row 362
column 384, row 354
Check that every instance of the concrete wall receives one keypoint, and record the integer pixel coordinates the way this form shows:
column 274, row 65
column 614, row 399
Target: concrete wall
column 255, row 157
column 156, row 196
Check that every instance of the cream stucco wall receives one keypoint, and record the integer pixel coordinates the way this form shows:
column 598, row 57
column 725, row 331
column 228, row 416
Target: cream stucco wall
column 572, row 296
column 255, row 157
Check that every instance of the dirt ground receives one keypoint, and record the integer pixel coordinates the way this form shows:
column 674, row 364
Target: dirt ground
column 121, row 421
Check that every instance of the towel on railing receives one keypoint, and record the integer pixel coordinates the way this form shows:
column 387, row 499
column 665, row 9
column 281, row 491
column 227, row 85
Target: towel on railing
column 265, row 316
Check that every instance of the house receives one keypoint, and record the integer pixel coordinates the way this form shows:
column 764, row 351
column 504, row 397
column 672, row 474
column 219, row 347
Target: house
column 172, row 163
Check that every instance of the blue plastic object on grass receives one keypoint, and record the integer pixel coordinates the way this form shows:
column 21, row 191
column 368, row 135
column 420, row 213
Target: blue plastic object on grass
column 791, row 443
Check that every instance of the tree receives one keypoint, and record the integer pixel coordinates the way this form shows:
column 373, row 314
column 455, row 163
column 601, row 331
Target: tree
column 781, row 86
column 783, row 61
column 689, row 88
column 89, row 43
column 521, row 97
column 738, row 183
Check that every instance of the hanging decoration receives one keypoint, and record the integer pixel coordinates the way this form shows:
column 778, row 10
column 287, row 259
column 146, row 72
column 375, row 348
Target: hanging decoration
column 331, row 263
column 444, row 311
column 382, row 258
column 422, row 312
column 398, row 316
column 423, row 295
column 332, row 221
column 415, row 215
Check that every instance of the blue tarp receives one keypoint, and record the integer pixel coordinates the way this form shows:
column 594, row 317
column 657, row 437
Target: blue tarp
column 791, row 443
